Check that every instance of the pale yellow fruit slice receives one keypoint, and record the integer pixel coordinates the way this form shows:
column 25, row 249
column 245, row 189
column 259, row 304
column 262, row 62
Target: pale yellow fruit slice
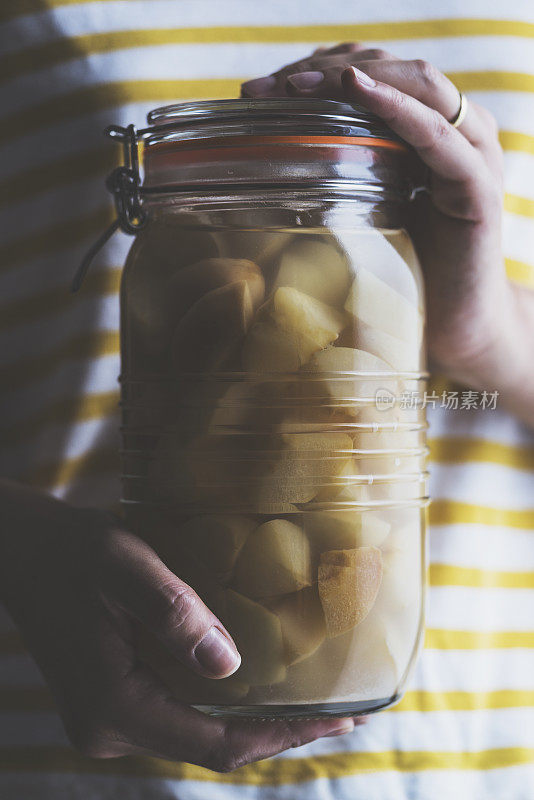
column 263, row 247
column 338, row 530
column 349, row 391
column 373, row 301
column 158, row 253
column 348, row 591
column 268, row 348
column 302, row 620
column 258, row 636
column 191, row 282
column 316, row 268
column 209, row 335
column 302, row 463
column 217, row 539
column 373, row 251
column 403, row 576
column 274, row 560
column 294, row 326
column 399, row 354
column 365, row 663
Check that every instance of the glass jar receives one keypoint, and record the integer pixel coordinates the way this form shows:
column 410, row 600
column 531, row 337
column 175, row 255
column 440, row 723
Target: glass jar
column 272, row 360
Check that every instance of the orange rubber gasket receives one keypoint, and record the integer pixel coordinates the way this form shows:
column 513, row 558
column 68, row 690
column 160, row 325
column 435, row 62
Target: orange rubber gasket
column 232, row 141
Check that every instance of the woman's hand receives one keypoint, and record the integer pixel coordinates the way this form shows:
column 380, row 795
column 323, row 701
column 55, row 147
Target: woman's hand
column 77, row 584
column 480, row 326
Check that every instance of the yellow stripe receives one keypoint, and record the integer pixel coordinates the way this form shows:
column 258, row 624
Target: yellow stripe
column 92, row 99
column 101, row 283
column 428, row 702
column 450, row 575
column 39, row 698
column 523, row 206
column 443, row 639
column 98, row 98
column 64, row 472
column 85, row 346
column 450, row 512
column 61, row 172
column 270, row 772
column 513, row 141
column 492, row 81
column 52, row 53
column 456, row 450
column 67, row 233
column 66, row 412
column 520, row 272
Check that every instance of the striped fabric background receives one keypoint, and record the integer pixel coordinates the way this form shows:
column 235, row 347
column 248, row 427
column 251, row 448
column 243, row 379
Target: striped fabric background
column 466, row 725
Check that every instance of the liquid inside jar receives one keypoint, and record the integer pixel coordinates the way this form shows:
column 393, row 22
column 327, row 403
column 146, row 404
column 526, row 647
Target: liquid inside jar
column 274, row 452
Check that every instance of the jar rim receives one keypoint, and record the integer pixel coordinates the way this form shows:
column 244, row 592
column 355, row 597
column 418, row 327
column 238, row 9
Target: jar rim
column 356, row 120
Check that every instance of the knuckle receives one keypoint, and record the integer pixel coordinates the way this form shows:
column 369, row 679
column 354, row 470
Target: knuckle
column 179, row 603
column 427, row 71
column 93, row 738
column 375, row 53
column 225, row 760
column 439, row 130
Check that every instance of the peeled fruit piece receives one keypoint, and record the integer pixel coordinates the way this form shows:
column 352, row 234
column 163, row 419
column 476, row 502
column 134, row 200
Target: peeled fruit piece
column 371, row 250
column 344, row 389
column 400, row 355
column 374, row 302
column 258, row 636
column 403, row 570
column 315, row 267
column 339, row 530
column 301, row 464
column 302, row 620
column 294, row 326
column 348, row 590
column 259, row 245
column 191, row 282
column 267, row 348
column 159, row 251
column 365, row 663
column 217, row 539
column 208, row 336
column 274, row 560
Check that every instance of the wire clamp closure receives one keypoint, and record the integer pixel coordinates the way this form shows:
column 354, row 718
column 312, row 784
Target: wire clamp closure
column 124, row 183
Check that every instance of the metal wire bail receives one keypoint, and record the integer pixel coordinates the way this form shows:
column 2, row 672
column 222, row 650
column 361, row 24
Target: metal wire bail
column 124, row 183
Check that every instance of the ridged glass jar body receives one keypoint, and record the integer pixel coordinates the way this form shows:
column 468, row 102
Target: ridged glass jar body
column 273, row 446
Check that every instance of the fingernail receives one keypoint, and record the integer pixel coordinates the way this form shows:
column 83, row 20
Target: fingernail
column 216, row 654
column 306, row 80
column 260, row 86
column 345, row 726
column 363, row 77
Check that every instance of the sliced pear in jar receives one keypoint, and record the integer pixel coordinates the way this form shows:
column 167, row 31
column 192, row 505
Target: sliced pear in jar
column 300, row 465
column 209, row 335
column 316, row 267
column 344, row 529
column 217, row 540
column 372, row 301
column 345, row 389
column 302, row 620
column 400, row 355
column 349, row 581
column 257, row 634
column 190, row 283
column 293, row 327
column 274, row 560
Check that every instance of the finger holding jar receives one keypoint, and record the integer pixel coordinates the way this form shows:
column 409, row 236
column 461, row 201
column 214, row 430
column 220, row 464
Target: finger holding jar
column 456, row 225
